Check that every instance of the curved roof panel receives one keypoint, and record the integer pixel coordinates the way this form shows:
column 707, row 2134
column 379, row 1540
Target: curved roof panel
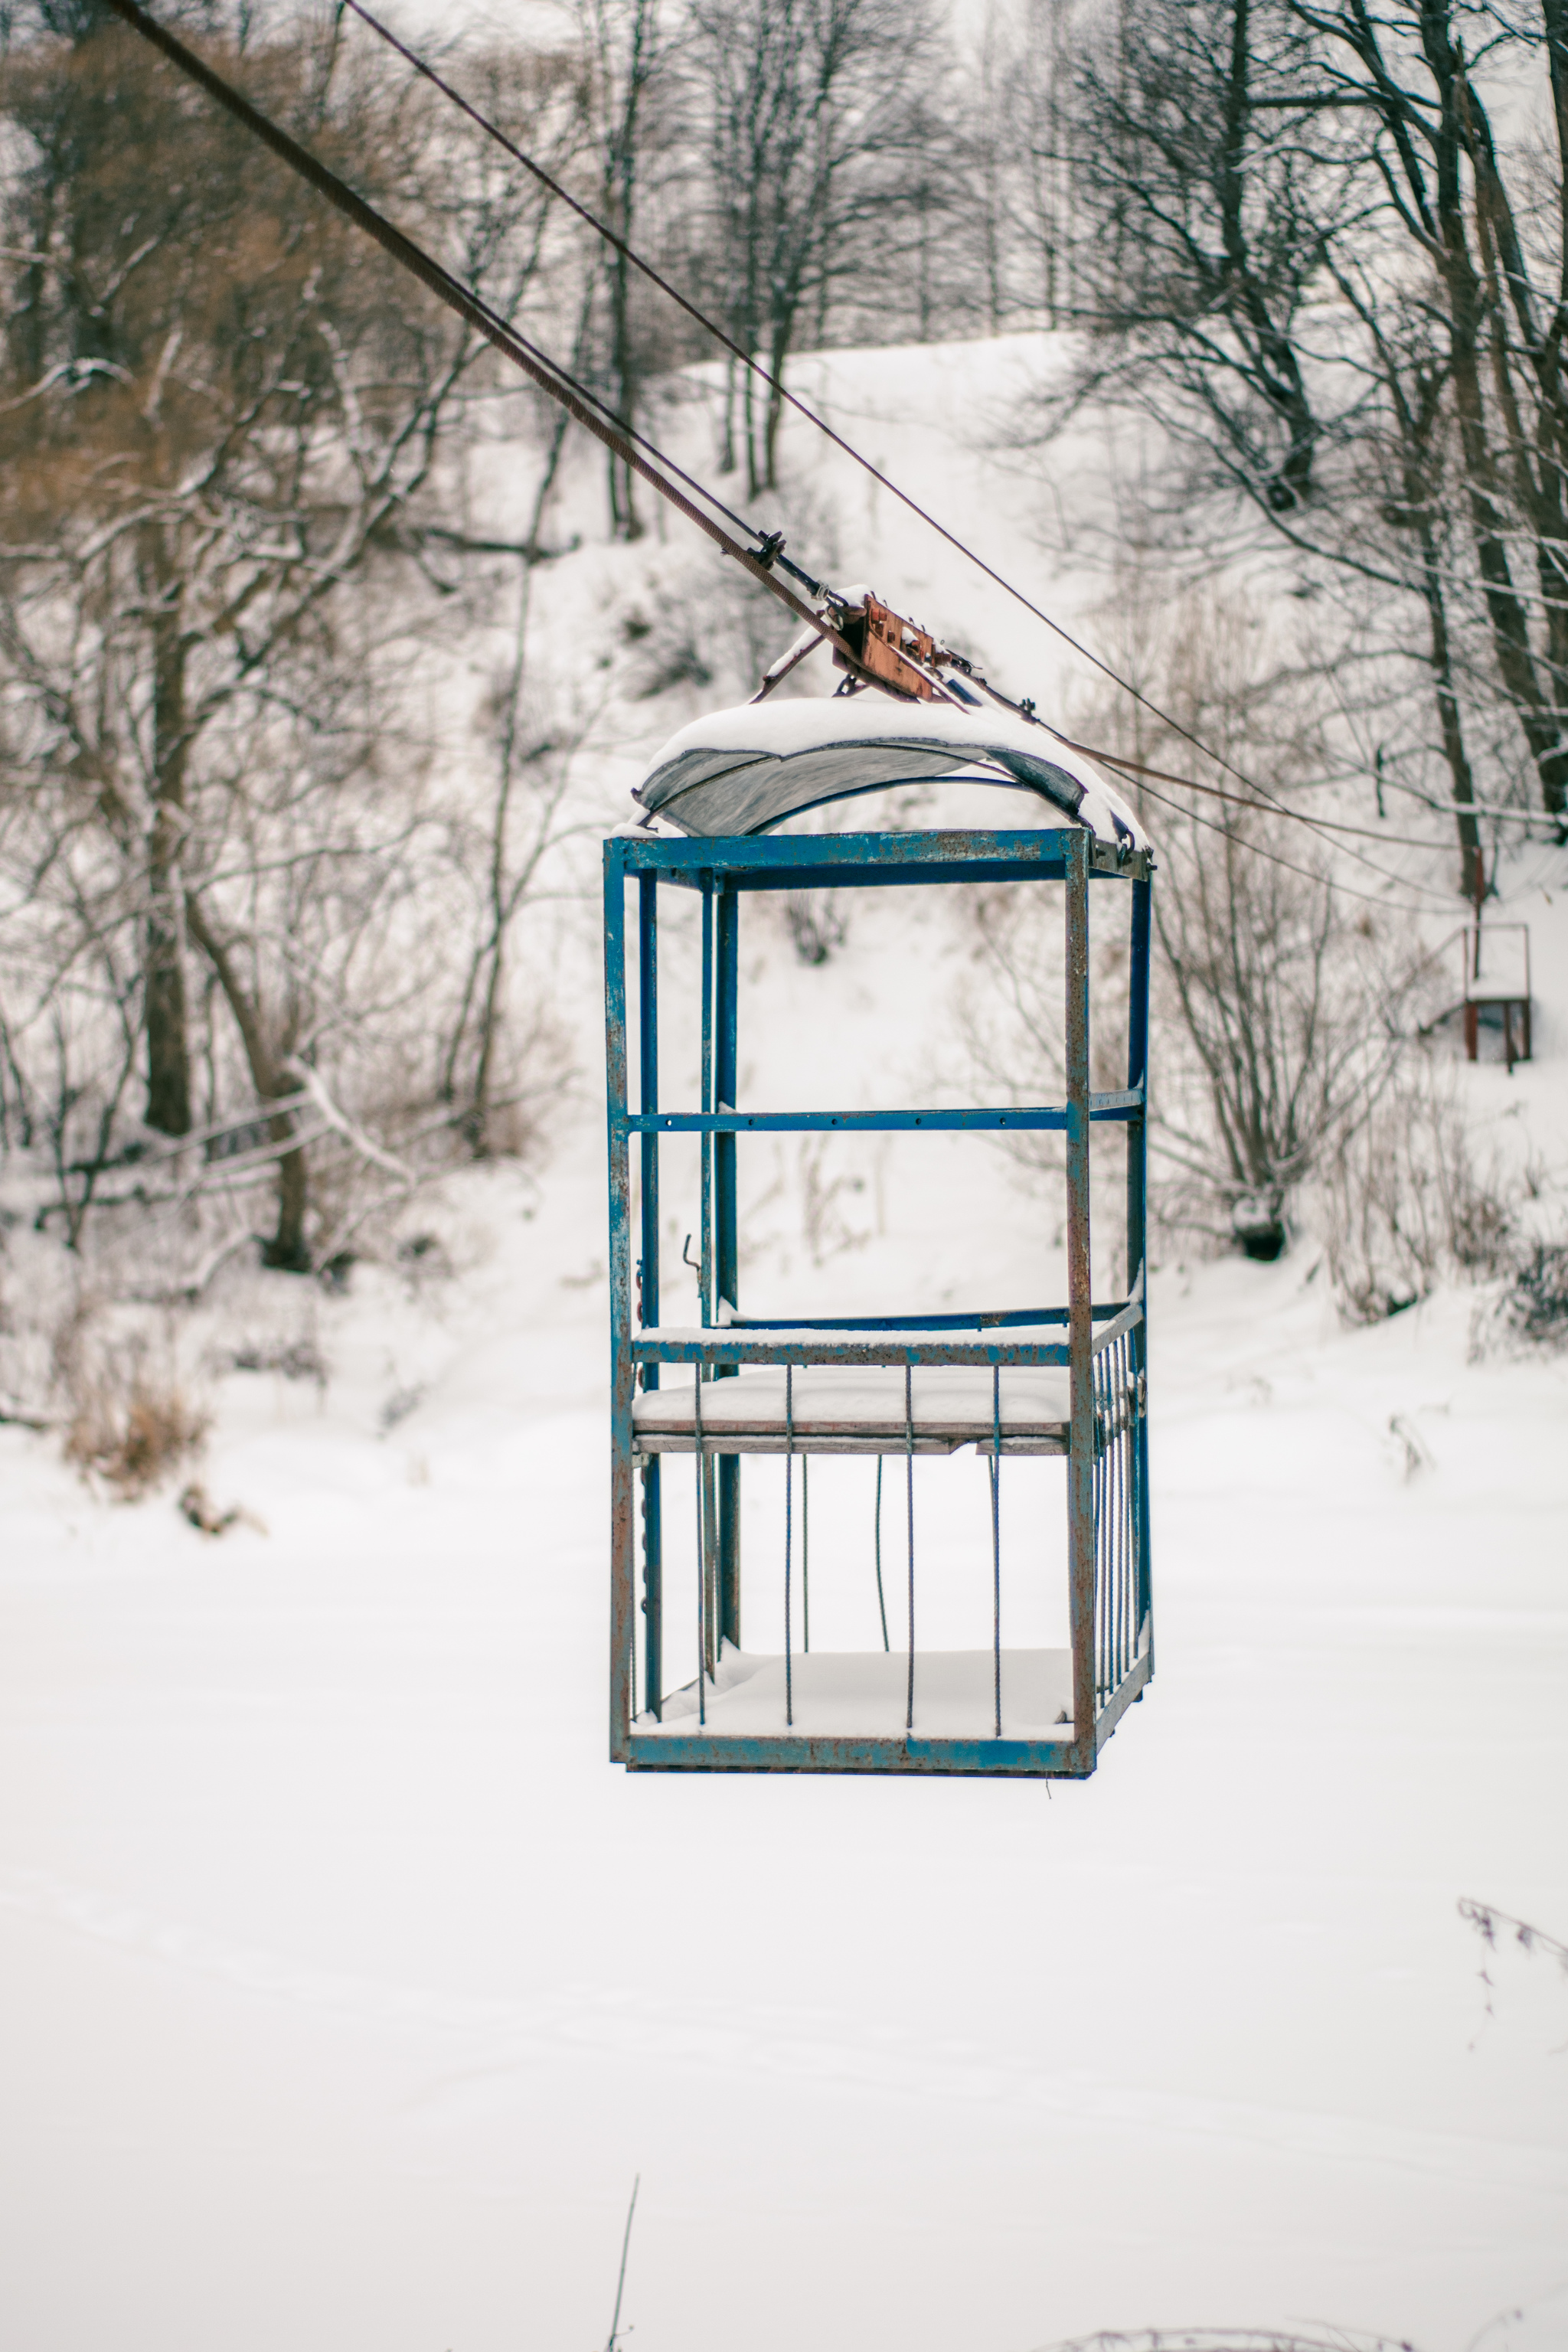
column 745, row 771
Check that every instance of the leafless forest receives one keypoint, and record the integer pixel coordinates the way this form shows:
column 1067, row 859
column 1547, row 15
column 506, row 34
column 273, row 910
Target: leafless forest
column 264, row 936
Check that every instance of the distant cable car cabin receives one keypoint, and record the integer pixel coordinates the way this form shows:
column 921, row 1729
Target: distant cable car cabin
column 1494, row 981
column 1497, row 988
column 1068, row 1379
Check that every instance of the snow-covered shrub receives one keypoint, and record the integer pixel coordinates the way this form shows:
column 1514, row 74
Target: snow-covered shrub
column 816, row 920
column 1529, row 1310
column 1535, row 1305
column 1404, row 1204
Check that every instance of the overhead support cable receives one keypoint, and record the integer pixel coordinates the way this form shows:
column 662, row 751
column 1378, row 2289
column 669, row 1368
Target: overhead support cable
column 581, row 405
column 1140, row 769
column 642, row 455
column 775, row 384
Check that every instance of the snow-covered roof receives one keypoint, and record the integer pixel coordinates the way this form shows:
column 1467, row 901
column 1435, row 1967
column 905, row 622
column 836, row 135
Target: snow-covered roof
column 738, row 772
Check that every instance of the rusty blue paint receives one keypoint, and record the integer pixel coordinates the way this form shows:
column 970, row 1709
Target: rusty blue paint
column 1102, row 1343
column 647, row 1289
column 622, row 1371
column 809, row 861
column 1123, row 1106
column 728, row 1346
column 1080, row 1317
column 667, row 1751
column 1138, row 1231
column 726, row 1017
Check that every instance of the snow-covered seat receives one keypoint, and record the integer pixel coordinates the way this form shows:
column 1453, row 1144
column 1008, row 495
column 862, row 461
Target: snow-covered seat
column 857, row 1409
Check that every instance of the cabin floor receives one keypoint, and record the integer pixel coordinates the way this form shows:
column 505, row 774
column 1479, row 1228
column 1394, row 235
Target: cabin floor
column 864, row 1695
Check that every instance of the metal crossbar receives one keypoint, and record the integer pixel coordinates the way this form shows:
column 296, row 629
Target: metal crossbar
column 975, row 1121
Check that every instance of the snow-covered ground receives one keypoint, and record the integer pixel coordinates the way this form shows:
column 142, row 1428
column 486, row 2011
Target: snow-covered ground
column 347, row 1986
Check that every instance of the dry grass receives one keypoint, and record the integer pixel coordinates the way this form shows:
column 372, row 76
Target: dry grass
column 133, row 1440
column 128, row 1422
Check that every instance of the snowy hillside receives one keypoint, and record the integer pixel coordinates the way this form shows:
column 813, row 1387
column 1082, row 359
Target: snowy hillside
column 350, row 1986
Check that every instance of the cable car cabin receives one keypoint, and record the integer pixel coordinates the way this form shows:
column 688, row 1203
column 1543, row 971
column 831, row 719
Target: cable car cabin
column 1497, row 988
column 700, row 1403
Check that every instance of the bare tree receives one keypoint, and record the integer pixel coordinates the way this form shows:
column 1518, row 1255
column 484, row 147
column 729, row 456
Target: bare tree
column 1281, row 1008
column 1283, row 1001
column 1503, row 283
column 1304, row 245
column 626, row 60
column 811, row 129
column 224, row 427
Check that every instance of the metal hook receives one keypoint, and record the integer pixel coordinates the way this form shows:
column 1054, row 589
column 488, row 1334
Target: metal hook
column 695, row 1263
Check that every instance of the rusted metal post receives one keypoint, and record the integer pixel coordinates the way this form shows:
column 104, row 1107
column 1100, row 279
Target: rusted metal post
column 727, row 1267
column 705, row 1278
column 1081, row 1325
column 647, row 1096
column 1138, row 1250
column 622, row 1498
column 708, row 1556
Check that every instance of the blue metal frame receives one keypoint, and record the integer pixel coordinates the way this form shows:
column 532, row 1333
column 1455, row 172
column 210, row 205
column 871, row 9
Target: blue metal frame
column 1104, row 1347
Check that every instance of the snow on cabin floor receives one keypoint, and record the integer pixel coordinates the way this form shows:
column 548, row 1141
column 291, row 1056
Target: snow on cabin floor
column 864, row 1695
column 347, row 1985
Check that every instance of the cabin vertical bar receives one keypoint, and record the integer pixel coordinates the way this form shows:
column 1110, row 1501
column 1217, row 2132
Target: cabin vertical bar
column 622, row 1371
column 1138, row 1245
column 707, row 1563
column 1081, row 1325
column 648, row 1097
column 726, row 1240
column 705, row 1277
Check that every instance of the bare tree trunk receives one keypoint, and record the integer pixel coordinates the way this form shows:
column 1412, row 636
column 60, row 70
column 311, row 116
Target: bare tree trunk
column 168, row 1049
column 288, row 1250
column 1279, row 370
column 1466, row 299
column 772, row 417
column 505, row 890
column 1416, row 407
column 626, row 40
column 1472, row 872
column 727, row 420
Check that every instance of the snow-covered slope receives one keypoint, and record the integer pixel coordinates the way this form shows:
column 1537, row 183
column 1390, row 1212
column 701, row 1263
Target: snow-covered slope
column 347, row 1986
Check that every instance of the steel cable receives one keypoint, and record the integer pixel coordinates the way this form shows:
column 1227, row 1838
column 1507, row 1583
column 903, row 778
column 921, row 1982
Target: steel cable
column 775, row 383
column 579, row 403
column 909, row 1477
column 789, row 1533
column 590, row 411
column 996, row 1534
